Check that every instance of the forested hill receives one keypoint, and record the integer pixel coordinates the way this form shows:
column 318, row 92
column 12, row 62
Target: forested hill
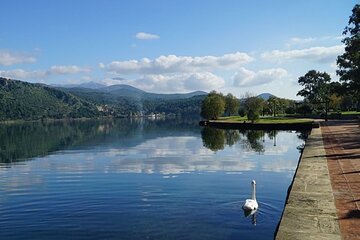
column 27, row 101
column 124, row 100
column 122, row 90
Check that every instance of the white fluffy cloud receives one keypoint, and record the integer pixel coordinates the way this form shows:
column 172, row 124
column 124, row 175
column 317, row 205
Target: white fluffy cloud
column 302, row 41
column 316, row 54
column 39, row 74
column 299, row 41
column 146, row 36
column 173, row 73
column 184, row 82
column 247, row 78
column 8, row 58
column 177, row 64
column 72, row 69
column 23, row 74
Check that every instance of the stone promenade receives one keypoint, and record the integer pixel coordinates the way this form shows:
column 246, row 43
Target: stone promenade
column 325, row 196
column 342, row 146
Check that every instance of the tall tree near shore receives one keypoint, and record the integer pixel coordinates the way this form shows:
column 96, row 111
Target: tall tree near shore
column 231, row 104
column 213, row 106
column 349, row 62
column 273, row 103
column 316, row 86
column 253, row 106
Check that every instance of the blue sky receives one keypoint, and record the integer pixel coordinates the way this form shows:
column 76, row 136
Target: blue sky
column 173, row 46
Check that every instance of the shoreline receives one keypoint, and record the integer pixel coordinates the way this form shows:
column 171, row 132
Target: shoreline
column 50, row 120
column 261, row 126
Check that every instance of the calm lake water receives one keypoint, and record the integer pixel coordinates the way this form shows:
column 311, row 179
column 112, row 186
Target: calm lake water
column 141, row 179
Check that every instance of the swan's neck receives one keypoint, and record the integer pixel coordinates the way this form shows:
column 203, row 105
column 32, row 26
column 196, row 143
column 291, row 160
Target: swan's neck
column 253, row 195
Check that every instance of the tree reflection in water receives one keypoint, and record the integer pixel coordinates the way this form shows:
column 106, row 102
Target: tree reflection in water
column 253, row 140
column 303, row 136
column 23, row 141
column 215, row 139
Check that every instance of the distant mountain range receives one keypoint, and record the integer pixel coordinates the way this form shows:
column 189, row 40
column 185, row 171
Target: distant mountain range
column 90, row 85
column 130, row 91
column 125, row 99
column 123, row 90
column 265, row 96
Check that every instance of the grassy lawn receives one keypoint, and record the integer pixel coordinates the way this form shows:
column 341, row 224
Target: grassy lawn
column 266, row 120
column 350, row 113
column 280, row 120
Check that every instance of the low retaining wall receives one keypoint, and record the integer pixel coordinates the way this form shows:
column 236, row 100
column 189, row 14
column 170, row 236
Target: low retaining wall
column 260, row 126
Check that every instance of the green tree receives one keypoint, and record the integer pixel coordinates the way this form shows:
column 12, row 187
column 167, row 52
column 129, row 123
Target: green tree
column 349, row 62
column 213, row 106
column 231, row 104
column 338, row 89
column 335, row 101
column 316, row 86
column 253, row 115
column 346, row 103
column 273, row 105
column 253, row 106
column 290, row 110
column 242, row 112
column 304, row 109
column 316, row 90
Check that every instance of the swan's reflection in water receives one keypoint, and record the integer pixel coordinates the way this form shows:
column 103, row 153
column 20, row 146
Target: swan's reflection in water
column 252, row 214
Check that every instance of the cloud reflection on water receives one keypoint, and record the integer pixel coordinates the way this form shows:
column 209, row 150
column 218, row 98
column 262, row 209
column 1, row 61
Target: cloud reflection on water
column 182, row 154
column 151, row 148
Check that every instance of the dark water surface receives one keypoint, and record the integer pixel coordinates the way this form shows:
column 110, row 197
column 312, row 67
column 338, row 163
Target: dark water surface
column 141, row 179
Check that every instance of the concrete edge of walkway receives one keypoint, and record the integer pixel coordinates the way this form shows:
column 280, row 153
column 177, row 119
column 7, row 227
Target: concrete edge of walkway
column 310, row 211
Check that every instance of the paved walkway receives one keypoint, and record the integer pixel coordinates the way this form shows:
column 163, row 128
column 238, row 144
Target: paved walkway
column 342, row 146
column 324, row 201
column 310, row 211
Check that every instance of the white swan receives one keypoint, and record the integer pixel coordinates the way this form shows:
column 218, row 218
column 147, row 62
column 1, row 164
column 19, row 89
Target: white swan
column 251, row 204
